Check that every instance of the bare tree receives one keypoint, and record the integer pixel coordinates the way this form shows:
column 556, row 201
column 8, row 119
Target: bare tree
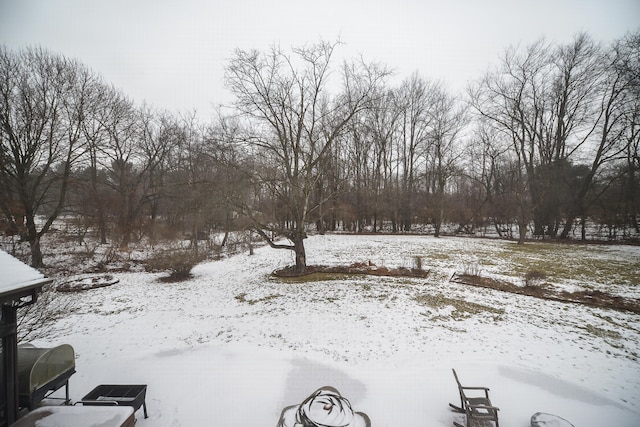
column 195, row 174
column 571, row 110
column 119, row 154
column 482, row 165
column 43, row 99
column 628, row 52
column 91, row 199
column 370, row 196
column 613, row 129
column 509, row 100
column 445, row 147
column 132, row 151
column 293, row 121
column 383, row 120
column 415, row 101
column 559, row 105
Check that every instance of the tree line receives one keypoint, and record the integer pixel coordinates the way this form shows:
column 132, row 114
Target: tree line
column 540, row 143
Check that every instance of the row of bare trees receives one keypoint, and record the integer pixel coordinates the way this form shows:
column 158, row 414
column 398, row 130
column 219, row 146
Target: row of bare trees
column 72, row 144
column 548, row 138
column 567, row 118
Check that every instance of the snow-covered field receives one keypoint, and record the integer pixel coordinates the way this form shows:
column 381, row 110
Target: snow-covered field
column 233, row 346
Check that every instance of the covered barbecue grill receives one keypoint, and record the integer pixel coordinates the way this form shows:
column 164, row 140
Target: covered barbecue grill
column 42, row 371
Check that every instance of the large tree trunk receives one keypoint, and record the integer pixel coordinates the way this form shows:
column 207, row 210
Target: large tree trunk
column 301, row 256
column 568, row 226
column 36, row 253
column 522, row 232
column 34, row 239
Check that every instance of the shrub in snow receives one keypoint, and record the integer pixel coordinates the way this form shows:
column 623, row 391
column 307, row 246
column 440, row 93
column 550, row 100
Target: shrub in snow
column 471, row 268
column 534, row 278
column 417, row 262
column 34, row 320
column 109, row 257
column 177, row 263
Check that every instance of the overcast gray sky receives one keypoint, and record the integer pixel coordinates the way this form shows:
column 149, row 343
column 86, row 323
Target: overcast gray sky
column 172, row 53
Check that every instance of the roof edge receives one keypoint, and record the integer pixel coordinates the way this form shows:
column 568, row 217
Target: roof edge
column 29, row 288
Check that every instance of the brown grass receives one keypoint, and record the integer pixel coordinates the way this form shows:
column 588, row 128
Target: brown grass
column 358, row 268
column 592, row 298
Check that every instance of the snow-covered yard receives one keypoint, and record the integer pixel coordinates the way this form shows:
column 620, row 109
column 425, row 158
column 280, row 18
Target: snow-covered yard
column 233, row 346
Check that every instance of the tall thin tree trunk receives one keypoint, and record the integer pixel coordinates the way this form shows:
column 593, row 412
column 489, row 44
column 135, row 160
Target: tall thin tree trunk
column 102, row 226
column 195, row 230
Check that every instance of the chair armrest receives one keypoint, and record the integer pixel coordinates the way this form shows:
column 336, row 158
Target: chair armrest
column 484, row 389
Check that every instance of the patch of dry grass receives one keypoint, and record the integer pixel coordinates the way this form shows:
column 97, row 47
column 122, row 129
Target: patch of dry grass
column 547, row 291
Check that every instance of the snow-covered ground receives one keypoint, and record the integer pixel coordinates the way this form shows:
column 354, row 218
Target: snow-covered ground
column 233, row 346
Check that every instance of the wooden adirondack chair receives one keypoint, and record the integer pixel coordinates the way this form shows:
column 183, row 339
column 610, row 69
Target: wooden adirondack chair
column 478, row 409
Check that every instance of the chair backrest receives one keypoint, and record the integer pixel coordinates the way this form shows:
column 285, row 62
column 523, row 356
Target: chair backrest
column 463, row 398
column 456, row 377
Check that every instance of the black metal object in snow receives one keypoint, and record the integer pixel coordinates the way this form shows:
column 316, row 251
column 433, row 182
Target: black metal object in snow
column 118, row 394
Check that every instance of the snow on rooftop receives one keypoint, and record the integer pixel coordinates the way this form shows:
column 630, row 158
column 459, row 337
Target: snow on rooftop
column 15, row 275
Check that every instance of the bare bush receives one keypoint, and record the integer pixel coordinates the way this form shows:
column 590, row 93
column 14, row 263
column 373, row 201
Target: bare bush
column 49, row 307
column 178, row 263
column 109, row 257
column 534, row 278
column 472, row 268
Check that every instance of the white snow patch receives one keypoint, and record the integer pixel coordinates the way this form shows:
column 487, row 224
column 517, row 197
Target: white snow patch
column 232, row 346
